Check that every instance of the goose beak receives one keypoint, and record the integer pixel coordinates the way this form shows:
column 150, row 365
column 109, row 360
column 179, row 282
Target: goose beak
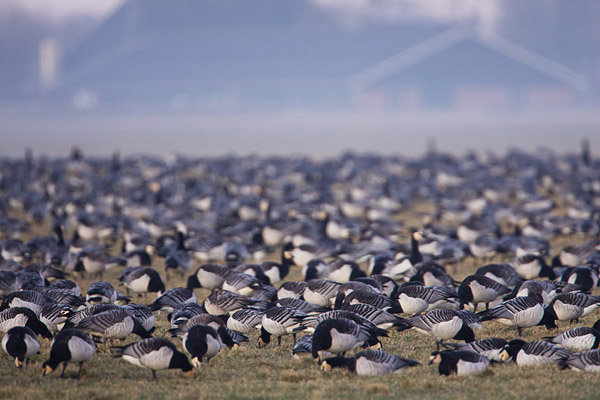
column 189, row 374
column 325, row 366
column 47, row 370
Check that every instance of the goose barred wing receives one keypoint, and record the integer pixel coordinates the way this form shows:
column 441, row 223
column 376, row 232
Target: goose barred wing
column 102, row 321
column 583, row 360
column 546, row 349
column 146, row 346
column 508, row 308
column 381, row 357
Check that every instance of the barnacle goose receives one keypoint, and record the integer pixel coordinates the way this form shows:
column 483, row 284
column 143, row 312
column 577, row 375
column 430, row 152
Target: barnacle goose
column 501, row 273
column 245, row 320
column 531, row 266
column 183, row 312
column 303, row 347
column 522, row 312
column 112, row 324
column 241, row 283
column 534, row 353
column 304, row 306
column 142, row 280
column 475, row 289
column 172, row 298
column 209, row 276
column 430, row 273
column 338, row 335
column 321, row 292
column 31, row 299
column 23, row 316
column 69, row 345
column 441, row 325
column 459, row 362
column 54, row 316
column 178, row 258
column 156, row 354
column 581, row 338
column 20, row 343
column 588, row 361
column 490, row 347
column 101, row 292
column 202, row 342
column 372, row 298
column 293, row 289
column 369, row 363
column 222, row 302
column 377, row 316
column 349, row 287
column 570, row 306
column 279, row 321
column 416, row 298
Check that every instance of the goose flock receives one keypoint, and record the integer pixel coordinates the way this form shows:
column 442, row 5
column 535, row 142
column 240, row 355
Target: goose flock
column 376, row 245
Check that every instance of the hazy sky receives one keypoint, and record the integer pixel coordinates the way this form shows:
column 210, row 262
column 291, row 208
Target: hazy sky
column 63, row 9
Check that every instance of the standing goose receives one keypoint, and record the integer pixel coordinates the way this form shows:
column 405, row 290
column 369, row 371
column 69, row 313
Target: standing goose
column 321, row 292
column 279, row 321
column 522, row 312
column 338, row 335
column 501, row 273
column 202, row 342
column 369, row 363
column 477, row 289
column 156, row 354
column 416, row 298
column 372, row 298
column 441, row 325
column 245, row 320
column 228, row 337
column 579, row 339
column 223, row 302
column 69, row 345
column 531, row 266
column 459, row 362
column 534, row 353
column 241, row 283
column 20, row 343
column 112, row 324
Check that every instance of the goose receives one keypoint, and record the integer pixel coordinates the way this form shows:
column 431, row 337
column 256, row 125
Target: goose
column 142, row 280
column 156, row 354
column 584, row 278
column 96, row 261
column 476, row 289
column 441, row 325
column 183, row 312
column 20, row 342
column 227, row 336
column 240, row 283
column 531, row 266
column 63, row 296
column 301, row 305
column 223, row 302
column 344, row 271
column 321, row 292
column 171, row 298
column 101, row 292
column 588, row 361
column 522, row 312
column 254, row 270
column 396, row 268
column 459, row 362
column 349, row 287
column 143, row 315
column 369, row 363
column 245, row 320
column 534, row 353
column 570, row 306
column 578, row 339
column 372, row 298
column 8, row 283
column 23, row 316
column 112, row 324
column 275, row 271
column 430, row 273
column 178, row 258
column 416, row 298
column 501, row 273
column 338, row 335
column 381, row 318
column 139, row 257
column 67, row 285
column 303, row 347
column 490, row 347
column 31, row 299
column 69, row 346
column 545, row 290
column 54, row 316
column 209, row 276
column 315, row 269
column 279, row 321
column 293, row 289
column 202, row 342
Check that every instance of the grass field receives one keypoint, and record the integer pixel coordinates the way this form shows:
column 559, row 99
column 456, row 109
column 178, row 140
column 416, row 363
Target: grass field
column 249, row 372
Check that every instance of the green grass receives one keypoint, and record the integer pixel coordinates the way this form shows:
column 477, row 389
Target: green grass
column 249, row 372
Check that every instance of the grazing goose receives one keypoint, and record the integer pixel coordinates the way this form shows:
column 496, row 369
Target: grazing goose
column 293, row 289
column 112, row 324
column 172, row 298
column 301, row 305
column 23, row 316
column 381, row 318
column 344, row 271
column 369, row 363
column 459, row 362
column 545, row 290
column 69, row 346
column 501, row 273
column 63, row 296
column 240, row 283
column 569, row 307
column 96, row 261
column 101, row 292
column 31, row 299
column 303, row 347
column 584, row 278
column 209, row 276
column 475, row 289
column 349, row 287
column 338, row 335
column 578, row 339
column 245, row 320
column 534, row 353
column 416, row 298
column 156, row 354
column 279, row 321
column 202, row 342
column 223, row 302
column 54, row 316
column 522, row 312
column 67, row 285
column 321, row 292
column 588, row 361
column 183, row 312
column 394, row 268
column 142, row 280
column 372, row 298
column 441, row 325
column 531, row 266
column 227, row 336
column 20, row 343
column 430, row 273
column 490, row 348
